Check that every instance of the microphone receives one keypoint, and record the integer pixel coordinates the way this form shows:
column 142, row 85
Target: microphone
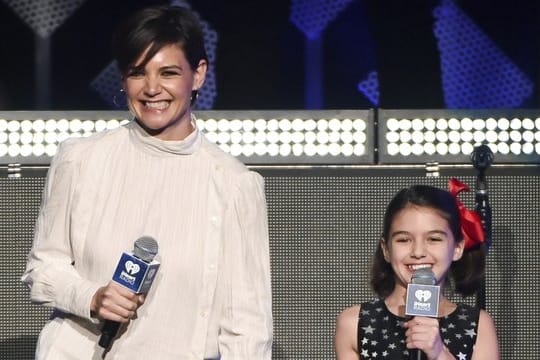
column 481, row 158
column 135, row 271
column 422, row 299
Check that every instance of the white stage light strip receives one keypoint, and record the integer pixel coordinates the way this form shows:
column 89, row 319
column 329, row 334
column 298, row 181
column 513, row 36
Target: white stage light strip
column 452, row 139
column 292, row 137
column 288, row 137
column 254, row 137
column 40, row 137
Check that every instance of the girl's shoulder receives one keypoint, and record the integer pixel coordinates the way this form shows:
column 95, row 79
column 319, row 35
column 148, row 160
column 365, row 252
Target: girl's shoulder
column 349, row 315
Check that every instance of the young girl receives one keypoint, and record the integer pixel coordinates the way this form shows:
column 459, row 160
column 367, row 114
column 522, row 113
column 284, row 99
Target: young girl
column 423, row 227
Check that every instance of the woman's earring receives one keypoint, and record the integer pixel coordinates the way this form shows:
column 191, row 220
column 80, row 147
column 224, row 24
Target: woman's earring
column 119, row 99
column 194, row 96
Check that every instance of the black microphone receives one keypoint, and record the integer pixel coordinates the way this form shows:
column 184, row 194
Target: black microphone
column 135, row 271
column 422, row 299
column 482, row 158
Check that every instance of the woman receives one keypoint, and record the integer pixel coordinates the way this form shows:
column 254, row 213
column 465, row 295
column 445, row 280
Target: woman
column 157, row 176
column 422, row 229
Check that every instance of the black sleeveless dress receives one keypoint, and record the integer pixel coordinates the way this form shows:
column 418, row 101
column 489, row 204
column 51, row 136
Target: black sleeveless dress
column 381, row 334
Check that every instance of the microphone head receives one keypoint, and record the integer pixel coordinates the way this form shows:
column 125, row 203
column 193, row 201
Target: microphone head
column 482, row 157
column 145, row 248
column 423, row 276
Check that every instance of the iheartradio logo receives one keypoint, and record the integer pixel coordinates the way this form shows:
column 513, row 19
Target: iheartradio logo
column 422, row 300
column 133, row 268
column 423, row 295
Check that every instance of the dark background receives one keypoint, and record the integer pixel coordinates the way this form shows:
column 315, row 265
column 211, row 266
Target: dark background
column 260, row 60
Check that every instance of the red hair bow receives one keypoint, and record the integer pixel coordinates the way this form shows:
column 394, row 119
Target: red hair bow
column 471, row 223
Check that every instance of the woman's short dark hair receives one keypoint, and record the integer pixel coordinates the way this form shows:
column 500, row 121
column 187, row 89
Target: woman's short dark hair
column 153, row 28
column 466, row 273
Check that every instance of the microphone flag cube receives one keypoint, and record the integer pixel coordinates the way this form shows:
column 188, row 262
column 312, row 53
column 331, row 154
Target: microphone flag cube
column 135, row 274
column 422, row 300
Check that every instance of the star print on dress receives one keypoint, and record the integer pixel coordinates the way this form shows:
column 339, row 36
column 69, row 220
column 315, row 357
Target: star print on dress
column 381, row 334
column 364, row 354
column 368, row 329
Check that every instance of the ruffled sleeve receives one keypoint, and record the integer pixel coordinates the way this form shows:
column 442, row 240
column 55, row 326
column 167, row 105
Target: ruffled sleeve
column 246, row 327
column 50, row 273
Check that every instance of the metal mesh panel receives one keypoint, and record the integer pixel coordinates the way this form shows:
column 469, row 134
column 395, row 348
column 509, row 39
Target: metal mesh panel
column 323, row 233
column 44, row 16
column 370, row 87
column 513, row 282
column 312, row 17
column 324, row 225
column 20, row 320
column 475, row 72
column 318, row 264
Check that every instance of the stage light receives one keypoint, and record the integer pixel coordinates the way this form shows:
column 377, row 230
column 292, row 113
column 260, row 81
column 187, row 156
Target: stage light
column 221, row 138
column 248, row 137
column 273, row 149
column 528, row 136
column 417, row 149
column 272, row 137
column 284, row 150
column 491, row 136
column 449, row 136
column 466, row 124
column 454, row 136
column 491, row 124
column 260, row 148
column 36, row 141
column 236, row 149
column 467, row 148
column 405, row 136
column 347, row 149
column 63, row 125
column 248, row 125
column 454, row 149
column 248, row 150
column 528, row 148
column 295, row 137
column 236, row 138
column 318, row 137
column 285, row 137
column 429, row 137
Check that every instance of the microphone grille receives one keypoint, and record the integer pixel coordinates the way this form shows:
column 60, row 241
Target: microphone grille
column 145, row 248
column 423, row 276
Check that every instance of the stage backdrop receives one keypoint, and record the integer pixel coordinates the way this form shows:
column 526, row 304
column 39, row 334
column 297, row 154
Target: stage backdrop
column 324, row 225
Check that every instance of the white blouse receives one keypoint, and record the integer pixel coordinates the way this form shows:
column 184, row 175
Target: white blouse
column 206, row 210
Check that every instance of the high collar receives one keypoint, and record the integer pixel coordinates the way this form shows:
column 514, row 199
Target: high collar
column 150, row 143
